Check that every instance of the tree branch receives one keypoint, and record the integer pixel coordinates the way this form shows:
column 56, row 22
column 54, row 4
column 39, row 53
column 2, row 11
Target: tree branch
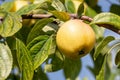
column 40, row 16
column 86, row 18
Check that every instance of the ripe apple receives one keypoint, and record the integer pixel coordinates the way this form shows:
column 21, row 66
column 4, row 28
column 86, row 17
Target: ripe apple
column 75, row 39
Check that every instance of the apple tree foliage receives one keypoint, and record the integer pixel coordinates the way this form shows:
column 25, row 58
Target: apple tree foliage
column 29, row 46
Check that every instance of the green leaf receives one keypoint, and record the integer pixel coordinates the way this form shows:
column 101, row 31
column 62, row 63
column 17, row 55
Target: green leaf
column 6, row 61
column 102, row 45
column 90, row 12
column 37, row 28
column 36, row 44
column 39, row 74
column 7, row 6
column 99, row 32
column 61, row 15
column 117, row 59
column 72, row 68
column 10, row 24
column 101, row 73
column 27, row 9
column 24, row 60
column 44, row 52
column 47, row 5
column 58, row 5
column 17, row 25
column 114, row 8
column 107, row 71
column 107, row 18
column 70, row 6
column 56, row 63
column 80, row 9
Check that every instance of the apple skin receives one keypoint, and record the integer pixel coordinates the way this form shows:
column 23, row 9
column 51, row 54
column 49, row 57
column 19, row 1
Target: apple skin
column 75, row 39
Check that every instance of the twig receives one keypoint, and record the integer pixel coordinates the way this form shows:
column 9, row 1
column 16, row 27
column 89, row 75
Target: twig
column 110, row 28
column 86, row 18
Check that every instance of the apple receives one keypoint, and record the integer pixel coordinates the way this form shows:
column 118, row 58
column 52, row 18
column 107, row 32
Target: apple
column 75, row 39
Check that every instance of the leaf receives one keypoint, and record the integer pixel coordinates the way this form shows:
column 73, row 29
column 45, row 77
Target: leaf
column 56, row 63
column 7, row 6
column 102, row 45
column 47, row 5
column 17, row 25
column 90, row 12
column 101, row 74
column 36, row 44
column 99, row 32
column 10, row 24
column 71, row 69
column 24, row 60
column 70, row 6
column 117, row 59
column 58, row 5
column 6, row 61
column 107, row 19
column 43, row 53
column 80, row 9
column 61, row 15
column 114, row 8
column 37, row 29
column 27, row 9
column 107, row 71
column 39, row 74
column 98, row 64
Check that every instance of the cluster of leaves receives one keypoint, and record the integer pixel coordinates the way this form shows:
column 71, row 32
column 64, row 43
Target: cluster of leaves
column 26, row 47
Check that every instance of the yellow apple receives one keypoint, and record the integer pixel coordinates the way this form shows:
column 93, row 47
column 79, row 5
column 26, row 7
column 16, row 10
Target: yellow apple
column 75, row 39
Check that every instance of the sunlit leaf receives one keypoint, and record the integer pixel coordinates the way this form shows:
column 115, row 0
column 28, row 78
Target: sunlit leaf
column 58, row 5
column 17, row 25
column 37, row 29
column 102, row 45
column 80, row 9
column 11, row 23
column 27, row 9
column 36, row 44
column 6, row 25
column 90, row 12
column 61, row 15
column 43, row 53
column 7, row 5
column 107, row 18
column 70, row 6
column 99, row 32
column 47, row 5
column 6, row 61
column 71, row 69
column 24, row 60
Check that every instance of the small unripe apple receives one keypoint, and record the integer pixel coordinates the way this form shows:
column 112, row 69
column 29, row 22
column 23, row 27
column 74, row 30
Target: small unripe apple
column 18, row 4
column 75, row 39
